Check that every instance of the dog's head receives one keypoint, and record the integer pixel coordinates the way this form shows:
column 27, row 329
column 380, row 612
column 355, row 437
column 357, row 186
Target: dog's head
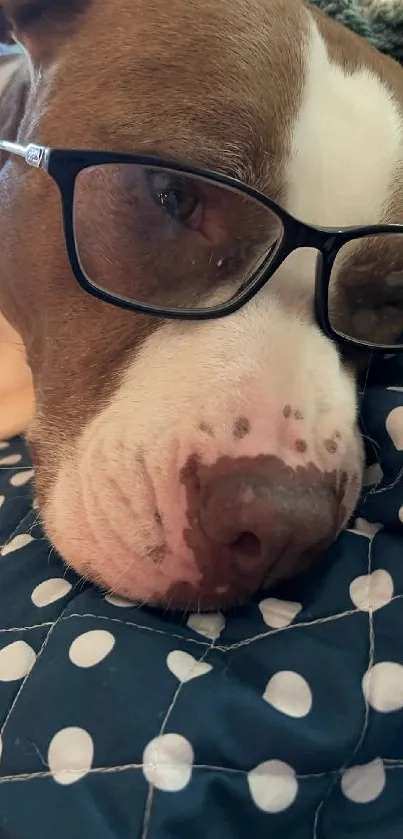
column 178, row 462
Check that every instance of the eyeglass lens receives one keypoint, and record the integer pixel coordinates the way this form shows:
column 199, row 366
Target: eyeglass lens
column 165, row 238
column 366, row 290
column 169, row 239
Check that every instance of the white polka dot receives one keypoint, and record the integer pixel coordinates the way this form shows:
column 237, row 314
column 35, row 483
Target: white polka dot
column 70, row 755
column 2, row 500
column 4, row 445
column 372, row 475
column 289, row 693
column 383, row 686
column 10, row 460
column 373, row 592
column 208, row 625
column 16, row 660
column 362, row 527
column 363, row 784
column 21, row 478
column 279, row 613
column 185, row 667
column 401, row 514
column 168, row 762
column 17, row 543
column 120, row 602
column 273, row 786
column 49, row 591
column 394, row 427
column 91, row 647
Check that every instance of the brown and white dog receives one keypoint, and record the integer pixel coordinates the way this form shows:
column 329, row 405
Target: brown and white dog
column 190, row 463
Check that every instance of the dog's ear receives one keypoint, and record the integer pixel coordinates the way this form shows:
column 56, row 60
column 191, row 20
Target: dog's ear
column 37, row 24
column 5, row 28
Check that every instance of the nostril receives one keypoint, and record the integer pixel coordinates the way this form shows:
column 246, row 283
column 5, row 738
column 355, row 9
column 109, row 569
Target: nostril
column 263, row 514
column 247, row 546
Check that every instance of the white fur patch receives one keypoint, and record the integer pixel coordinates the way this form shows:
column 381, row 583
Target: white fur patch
column 346, row 144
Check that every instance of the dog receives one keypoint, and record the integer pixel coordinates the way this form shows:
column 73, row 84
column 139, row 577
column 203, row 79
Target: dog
column 190, row 463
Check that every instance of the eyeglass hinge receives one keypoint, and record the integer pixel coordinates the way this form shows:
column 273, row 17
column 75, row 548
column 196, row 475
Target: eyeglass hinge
column 34, row 155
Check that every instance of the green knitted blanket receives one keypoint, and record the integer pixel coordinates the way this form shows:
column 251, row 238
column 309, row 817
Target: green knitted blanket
column 380, row 21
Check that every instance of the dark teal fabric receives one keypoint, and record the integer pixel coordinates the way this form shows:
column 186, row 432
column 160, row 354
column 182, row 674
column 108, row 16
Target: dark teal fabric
column 264, row 728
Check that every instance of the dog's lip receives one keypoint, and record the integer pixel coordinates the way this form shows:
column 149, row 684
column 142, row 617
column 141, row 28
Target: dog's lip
column 184, row 596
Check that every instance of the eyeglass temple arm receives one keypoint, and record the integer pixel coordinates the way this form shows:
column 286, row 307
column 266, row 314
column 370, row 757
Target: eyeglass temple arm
column 33, row 155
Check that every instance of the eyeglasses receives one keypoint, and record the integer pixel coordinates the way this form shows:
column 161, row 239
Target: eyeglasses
column 177, row 241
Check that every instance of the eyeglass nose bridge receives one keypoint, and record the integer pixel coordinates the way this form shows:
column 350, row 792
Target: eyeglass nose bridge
column 300, row 236
column 297, row 236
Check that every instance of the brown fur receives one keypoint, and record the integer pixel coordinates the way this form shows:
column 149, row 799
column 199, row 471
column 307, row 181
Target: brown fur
column 351, row 52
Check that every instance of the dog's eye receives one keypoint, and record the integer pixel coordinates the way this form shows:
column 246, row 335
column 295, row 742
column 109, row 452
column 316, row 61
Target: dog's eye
column 178, row 197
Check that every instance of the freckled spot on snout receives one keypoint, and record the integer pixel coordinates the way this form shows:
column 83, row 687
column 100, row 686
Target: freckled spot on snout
column 156, row 553
column 331, row 446
column 206, row 428
column 301, row 446
column 158, row 517
column 337, row 435
column 241, row 428
column 139, row 457
column 295, row 413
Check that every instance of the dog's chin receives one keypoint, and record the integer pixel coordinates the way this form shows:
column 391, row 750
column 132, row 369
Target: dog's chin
column 182, row 596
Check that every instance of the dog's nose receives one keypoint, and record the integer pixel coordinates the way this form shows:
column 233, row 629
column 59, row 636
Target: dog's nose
column 269, row 519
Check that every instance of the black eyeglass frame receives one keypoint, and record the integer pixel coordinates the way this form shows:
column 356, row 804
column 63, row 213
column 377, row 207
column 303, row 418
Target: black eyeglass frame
column 64, row 166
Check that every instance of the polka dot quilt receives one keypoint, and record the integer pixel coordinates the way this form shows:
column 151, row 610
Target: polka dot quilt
column 283, row 719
